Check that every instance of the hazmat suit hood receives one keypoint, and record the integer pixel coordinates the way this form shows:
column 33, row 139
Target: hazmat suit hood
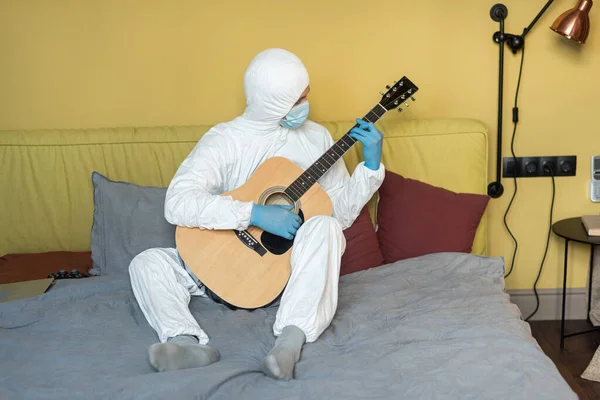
column 273, row 83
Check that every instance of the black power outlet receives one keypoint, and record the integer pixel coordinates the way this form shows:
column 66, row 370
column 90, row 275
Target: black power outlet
column 532, row 167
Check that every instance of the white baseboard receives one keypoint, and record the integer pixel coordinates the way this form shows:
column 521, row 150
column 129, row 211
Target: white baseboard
column 550, row 307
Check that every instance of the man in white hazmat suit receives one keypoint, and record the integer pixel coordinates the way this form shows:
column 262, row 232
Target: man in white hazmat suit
column 274, row 123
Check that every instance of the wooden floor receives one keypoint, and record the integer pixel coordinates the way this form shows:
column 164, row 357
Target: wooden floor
column 576, row 355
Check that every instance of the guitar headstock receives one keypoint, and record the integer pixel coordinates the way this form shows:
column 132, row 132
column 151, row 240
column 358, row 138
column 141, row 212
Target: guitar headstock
column 399, row 94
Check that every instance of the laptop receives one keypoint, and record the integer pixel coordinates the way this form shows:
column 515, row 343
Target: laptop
column 22, row 290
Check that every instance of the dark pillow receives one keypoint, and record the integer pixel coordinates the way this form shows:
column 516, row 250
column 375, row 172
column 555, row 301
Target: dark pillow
column 362, row 246
column 128, row 219
column 415, row 218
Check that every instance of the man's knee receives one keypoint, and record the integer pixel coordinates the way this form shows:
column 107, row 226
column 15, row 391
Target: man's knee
column 150, row 260
column 321, row 228
column 323, row 223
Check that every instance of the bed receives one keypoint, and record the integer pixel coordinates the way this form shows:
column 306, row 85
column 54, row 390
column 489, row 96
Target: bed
column 435, row 326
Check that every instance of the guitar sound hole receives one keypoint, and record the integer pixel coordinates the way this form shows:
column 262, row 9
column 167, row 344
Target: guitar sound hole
column 278, row 198
column 276, row 244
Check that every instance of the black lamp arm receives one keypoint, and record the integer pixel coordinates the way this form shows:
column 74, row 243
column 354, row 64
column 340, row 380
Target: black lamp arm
column 537, row 17
column 498, row 13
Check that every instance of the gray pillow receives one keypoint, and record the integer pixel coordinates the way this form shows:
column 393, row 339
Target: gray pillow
column 128, row 219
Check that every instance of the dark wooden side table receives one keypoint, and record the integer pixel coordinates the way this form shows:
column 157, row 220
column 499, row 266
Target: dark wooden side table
column 572, row 229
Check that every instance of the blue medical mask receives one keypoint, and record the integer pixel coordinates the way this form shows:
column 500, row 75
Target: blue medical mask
column 297, row 115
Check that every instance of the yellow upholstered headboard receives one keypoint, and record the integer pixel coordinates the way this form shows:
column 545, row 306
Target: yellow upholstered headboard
column 46, row 189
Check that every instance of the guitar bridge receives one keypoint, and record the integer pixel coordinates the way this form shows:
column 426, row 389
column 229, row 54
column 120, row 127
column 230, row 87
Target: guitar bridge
column 251, row 242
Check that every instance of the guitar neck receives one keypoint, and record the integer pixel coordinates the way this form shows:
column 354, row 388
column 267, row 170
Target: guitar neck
column 305, row 181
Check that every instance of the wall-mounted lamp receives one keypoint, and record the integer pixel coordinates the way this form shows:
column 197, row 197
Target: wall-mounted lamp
column 573, row 24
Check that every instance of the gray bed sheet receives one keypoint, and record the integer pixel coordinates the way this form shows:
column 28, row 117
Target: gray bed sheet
column 433, row 327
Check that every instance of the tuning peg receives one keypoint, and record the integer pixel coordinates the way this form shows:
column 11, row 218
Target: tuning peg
column 399, row 110
column 413, row 98
column 406, row 104
column 387, row 86
column 395, row 82
column 381, row 93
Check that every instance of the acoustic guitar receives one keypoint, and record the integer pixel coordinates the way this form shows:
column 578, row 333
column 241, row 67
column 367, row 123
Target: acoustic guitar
column 249, row 269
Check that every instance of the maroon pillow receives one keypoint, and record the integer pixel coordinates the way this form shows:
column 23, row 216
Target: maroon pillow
column 415, row 218
column 362, row 246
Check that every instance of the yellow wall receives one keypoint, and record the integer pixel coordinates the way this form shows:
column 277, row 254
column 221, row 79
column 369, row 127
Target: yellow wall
column 73, row 63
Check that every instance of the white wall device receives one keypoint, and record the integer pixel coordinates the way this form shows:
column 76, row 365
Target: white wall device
column 595, row 180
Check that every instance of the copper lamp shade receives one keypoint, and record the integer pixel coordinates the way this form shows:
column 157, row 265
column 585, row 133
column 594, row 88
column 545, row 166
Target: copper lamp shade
column 574, row 24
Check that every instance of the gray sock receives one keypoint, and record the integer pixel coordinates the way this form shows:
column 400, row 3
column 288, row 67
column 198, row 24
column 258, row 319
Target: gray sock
column 181, row 352
column 281, row 360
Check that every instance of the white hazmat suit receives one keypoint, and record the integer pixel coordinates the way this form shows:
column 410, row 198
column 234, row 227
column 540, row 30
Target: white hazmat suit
column 223, row 160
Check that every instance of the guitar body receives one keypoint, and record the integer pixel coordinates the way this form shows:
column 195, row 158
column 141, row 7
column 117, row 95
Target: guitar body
column 251, row 271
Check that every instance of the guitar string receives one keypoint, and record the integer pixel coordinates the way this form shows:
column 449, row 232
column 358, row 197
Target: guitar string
column 299, row 186
column 313, row 168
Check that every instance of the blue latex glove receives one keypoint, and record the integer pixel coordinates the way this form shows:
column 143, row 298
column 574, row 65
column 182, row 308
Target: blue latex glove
column 371, row 139
column 276, row 219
